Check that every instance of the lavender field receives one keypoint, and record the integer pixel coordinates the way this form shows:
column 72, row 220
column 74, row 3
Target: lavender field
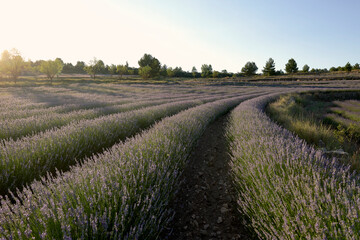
column 106, row 161
column 346, row 113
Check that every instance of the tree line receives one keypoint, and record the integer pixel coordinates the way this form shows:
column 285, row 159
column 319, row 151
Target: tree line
column 13, row 65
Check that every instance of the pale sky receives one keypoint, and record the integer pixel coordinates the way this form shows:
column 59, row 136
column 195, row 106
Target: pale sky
column 185, row 33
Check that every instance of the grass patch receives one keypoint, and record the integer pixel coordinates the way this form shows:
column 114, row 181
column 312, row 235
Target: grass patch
column 319, row 119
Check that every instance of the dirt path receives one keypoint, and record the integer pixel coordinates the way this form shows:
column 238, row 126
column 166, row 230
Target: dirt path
column 205, row 207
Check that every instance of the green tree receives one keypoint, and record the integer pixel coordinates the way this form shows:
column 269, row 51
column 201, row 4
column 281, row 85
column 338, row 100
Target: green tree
column 178, row 72
column 224, row 73
column 60, row 64
column 152, row 62
column 215, row 74
column 269, row 69
column 112, row 69
column 249, row 69
column 306, row 68
column 206, row 70
column 51, row 68
column 170, row 72
column 60, row 61
column 69, row 68
column 79, row 67
column 348, row 67
column 291, row 66
column 194, row 72
column 122, row 70
column 145, row 72
column 94, row 67
column 356, row 66
column 101, row 67
column 163, row 70
column 12, row 64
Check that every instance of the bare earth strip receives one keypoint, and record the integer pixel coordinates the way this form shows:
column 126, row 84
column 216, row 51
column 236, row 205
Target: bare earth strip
column 205, row 207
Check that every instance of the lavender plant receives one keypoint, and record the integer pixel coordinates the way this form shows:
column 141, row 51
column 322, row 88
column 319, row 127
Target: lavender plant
column 286, row 188
column 17, row 128
column 121, row 194
column 31, row 157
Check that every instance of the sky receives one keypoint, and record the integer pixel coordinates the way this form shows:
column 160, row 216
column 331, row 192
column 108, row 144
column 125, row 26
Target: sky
column 185, row 33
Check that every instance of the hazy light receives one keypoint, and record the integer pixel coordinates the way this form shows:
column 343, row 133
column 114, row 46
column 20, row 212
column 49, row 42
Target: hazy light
column 184, row 33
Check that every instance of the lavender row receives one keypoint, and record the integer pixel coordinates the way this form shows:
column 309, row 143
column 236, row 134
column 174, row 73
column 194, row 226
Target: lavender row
column 29, row 111
column 44, row 119
column 287, row 189
column 17, row 128
column 42, row 97
column 15, row 108
column 30, row 158
column 121, row 194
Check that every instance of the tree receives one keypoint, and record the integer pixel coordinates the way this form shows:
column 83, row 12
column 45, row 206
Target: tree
column 132, row 72
column 333, row 69
column 163, row 71
column 178, row 72
column 194, row 72
column 206, row 70
column 340, row 68
column 348, row 67
column 101, row 67
column 215, row 74
column 94, row 67
column 269, row 68
column 152, row 62
column 356, row 66
column 69, row 68
column 60, row 61
column 51, row 68
column 145, row 72
column 291, row 66
column 122, row 69
column 170, row 72
column 306, row 68
column 112, row 69
column 12, row 64
column 79, row 67
column 60, row 64
column 249, row 69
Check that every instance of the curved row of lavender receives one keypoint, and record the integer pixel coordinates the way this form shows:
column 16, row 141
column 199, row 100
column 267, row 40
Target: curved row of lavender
column 37, row 111
column 17, row 128
column 121, row 194
column 14, row 107
column 32, row 98
column 31, row 157
column 28, row 108
column 17, row 104
column 287, row 189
